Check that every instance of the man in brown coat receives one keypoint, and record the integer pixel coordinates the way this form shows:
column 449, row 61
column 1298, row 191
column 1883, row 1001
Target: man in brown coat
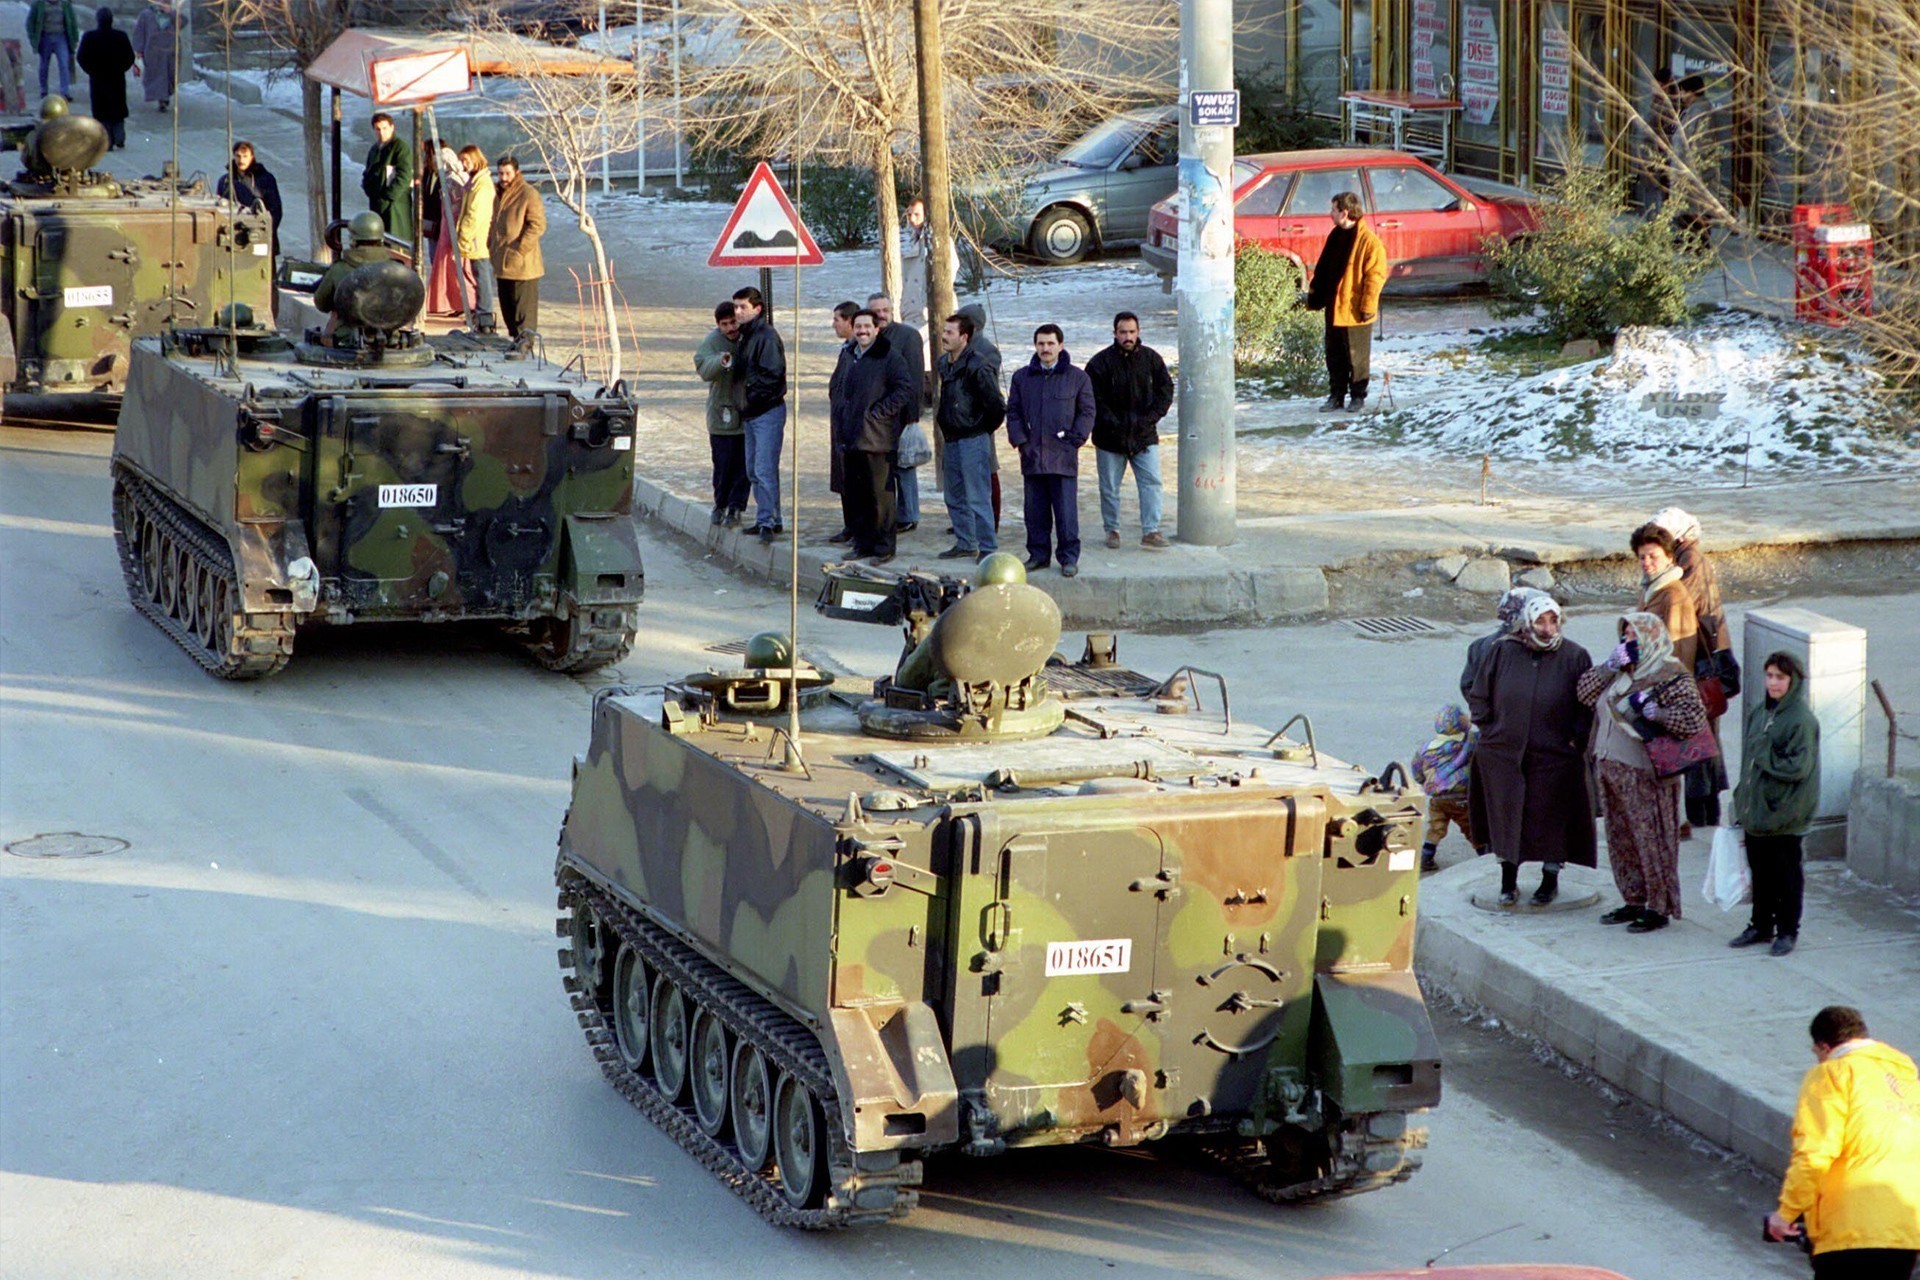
column 1346, row 285
column 513, row 243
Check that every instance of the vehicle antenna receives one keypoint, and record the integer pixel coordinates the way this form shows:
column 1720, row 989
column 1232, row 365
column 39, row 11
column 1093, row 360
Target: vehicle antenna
column 233, row 198
column 796, row 760
column 173, row 181
column 1487, row 1235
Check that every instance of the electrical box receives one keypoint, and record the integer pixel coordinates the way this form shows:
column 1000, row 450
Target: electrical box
column 1835, row 657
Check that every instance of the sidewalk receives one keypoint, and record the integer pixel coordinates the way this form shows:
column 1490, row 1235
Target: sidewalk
column 1676, row 1018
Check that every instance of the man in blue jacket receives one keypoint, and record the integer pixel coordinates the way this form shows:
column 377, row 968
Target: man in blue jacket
column 1049, row 416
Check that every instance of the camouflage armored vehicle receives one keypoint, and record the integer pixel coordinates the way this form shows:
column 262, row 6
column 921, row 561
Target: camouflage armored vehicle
column 261, row 485
column 1000, row 901
column 92, row 262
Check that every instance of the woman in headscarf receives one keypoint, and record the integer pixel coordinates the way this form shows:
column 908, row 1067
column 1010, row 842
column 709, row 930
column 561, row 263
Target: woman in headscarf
column 1706, row 780
column 1779, row 790
column 157, row 35
column 1530, row 801
column 1505, row 614
column 446, row 186
column 1639, row 691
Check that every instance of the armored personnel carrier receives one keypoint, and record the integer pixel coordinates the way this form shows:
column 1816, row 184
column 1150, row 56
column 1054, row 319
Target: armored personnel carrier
column 92, row 262
column 362, row 475
column 999, row 901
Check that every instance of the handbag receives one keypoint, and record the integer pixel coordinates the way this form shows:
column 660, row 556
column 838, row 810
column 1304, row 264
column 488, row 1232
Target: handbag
column 916, row 447
column 1713, row 695
column 1729, row 879
column 1718, row 665
column 1671, row 755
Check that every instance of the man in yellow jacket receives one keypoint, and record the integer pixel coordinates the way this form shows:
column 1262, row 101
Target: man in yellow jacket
column 1855, row 1174
column 1346, row 285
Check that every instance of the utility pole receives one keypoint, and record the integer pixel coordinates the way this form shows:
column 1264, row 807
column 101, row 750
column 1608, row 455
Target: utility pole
column 1204, row 285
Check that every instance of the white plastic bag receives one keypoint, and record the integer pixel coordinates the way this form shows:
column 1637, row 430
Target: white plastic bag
column 1729, row 879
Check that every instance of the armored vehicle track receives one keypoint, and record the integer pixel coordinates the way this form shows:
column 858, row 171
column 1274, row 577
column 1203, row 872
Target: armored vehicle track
column 739, row 1084
column 181, row 576
column 1366, row 1153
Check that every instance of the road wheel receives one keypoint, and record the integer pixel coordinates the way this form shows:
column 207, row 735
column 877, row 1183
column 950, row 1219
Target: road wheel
column 153, row 562
column 1062, row 235
column 188, row 572
column 207, row 609
column 632, row 1005
column 800, row 1143
column 217, row 627
column 750, row 1094
column 711, row 1059
column 590, row 958
column 669, row 1039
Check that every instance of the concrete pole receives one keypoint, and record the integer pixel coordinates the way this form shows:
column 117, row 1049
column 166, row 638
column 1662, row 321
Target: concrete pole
column 1204, row 286
column 679, row 162
column 606, row 159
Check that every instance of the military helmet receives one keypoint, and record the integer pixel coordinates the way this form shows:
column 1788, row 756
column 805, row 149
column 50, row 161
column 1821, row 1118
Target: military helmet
column 1001, row 566
column 52, row 107
column 770, row 649
column 367, row 228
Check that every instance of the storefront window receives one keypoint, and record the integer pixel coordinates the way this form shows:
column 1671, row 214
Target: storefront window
column 1360, row 44
column 1319, row 64
column 1706, row 49
column 1432, row 54
column 1570, row 106
column 1481, row 118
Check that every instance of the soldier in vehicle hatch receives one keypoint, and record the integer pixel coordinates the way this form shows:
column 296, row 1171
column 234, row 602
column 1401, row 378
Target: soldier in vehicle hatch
column 369, row 245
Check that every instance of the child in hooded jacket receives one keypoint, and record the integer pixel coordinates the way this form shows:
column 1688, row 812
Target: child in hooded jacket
column 1443, row 768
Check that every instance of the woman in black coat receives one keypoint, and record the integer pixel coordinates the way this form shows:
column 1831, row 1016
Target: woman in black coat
column 249, row 184
column 1529, row 792
column 106, row 56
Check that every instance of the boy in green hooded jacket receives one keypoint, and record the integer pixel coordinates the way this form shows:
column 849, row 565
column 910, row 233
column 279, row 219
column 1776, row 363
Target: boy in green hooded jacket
column 1778, row 792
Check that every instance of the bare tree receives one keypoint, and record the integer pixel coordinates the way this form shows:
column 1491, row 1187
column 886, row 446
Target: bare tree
column 575, row 112
column 304, row 29
column 834, row 80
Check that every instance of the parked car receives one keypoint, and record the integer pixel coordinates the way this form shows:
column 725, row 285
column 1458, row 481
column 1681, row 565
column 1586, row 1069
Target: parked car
column 1100, row 190
column 1433, row 226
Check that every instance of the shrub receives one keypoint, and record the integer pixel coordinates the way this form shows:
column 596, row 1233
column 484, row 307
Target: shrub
column 1273, row 333
column 1276, row 118
column 837, row 204
column 1592, row 268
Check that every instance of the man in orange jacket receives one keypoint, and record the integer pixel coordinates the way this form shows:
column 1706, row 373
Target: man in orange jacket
column 1346, row 285
column 1854, row 1177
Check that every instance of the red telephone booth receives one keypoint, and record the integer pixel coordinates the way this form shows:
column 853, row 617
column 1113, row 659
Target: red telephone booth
column 1832, row 264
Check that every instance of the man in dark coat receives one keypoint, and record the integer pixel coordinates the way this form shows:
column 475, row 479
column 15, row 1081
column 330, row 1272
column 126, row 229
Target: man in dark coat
column 988, row 350
column 249, row 184
column 387, row 179
column 761, row 385
column 867, row 414
column 1529, row 795
column 971, row 410
column 843, row 313
column 1049, row 416
column 106, row 56
column 911, row 346
column 1132, row 391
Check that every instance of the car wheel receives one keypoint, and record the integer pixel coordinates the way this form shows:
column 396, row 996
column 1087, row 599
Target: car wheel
column 1062, row 235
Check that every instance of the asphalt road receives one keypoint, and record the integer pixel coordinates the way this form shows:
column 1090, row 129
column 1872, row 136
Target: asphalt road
column 309, row 1022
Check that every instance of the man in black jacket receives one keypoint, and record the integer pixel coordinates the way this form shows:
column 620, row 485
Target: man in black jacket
column 249, row 184
column 106, row 55
column 1131, row 393
column 843, row 313
column 760, row 383
column 868, row 412
column 971, row 410
column 911, row 347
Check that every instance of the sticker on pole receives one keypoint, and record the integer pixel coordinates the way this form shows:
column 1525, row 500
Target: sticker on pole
column 764, row 229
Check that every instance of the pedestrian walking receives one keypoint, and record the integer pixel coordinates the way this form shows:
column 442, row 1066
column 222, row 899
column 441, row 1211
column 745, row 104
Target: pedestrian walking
column 1346, row 285
column 1713, row 655
column 843, row 314
column 911, row 346
column 472, row 229
column 157, row 39
column 53, row 29
column 869, row 413
column 1505, row 615
column 1049, row 416
column 1131, row 393
column 1641, row 692
column 1779, row 790
column 1853, row 1181
column 1444, row 770
column 761, row 361
column 513, row 245
column 251, row 185
column 971, row 409
column 387, row 179
column 726, row 440
column 106, row 55
column 1529, row 800
column 442, row 188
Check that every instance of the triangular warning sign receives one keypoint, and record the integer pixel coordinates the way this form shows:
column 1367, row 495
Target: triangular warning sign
column 764, row 230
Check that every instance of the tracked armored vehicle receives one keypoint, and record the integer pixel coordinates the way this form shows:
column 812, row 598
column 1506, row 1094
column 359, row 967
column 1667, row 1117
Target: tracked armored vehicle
column 998, row 901
column 261, row 485
column 92, row 262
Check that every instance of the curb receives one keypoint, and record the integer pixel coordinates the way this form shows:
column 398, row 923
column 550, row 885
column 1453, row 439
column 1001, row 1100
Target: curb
column 1094, row 599
column 1592, row 1022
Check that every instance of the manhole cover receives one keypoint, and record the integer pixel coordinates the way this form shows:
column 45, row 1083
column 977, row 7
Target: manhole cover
column 65, row 844
column 1401, row 626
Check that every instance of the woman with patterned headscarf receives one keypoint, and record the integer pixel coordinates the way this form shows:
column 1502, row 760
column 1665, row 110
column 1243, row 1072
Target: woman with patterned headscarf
column 1641, row 690
column 1505, row 615
column 1706, row 780
column 1529, row 797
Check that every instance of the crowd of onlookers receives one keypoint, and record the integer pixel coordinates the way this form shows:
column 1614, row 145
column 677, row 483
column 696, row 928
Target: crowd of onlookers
column 1549, row 738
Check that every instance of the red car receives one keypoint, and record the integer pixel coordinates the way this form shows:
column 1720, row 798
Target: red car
column 1431, row 224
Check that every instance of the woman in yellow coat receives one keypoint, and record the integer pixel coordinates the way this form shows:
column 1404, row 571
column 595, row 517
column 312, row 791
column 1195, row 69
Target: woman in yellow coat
column 470, row 235
column 1855, row 1173
column 1346, row 285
